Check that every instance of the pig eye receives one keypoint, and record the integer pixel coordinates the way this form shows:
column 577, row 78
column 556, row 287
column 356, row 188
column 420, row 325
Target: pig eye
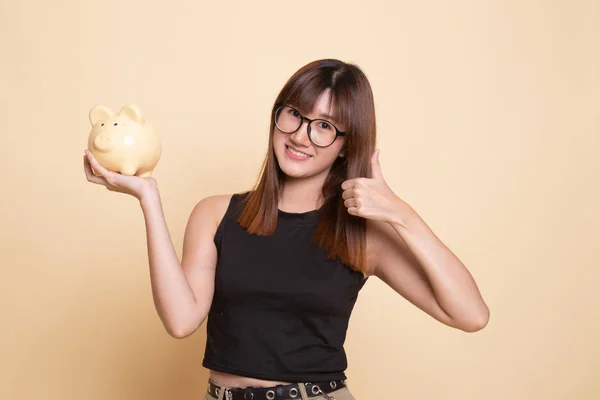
column 115, row 124
column 102, row 124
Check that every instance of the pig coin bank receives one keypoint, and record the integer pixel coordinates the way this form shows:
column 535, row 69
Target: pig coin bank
column 123, row 142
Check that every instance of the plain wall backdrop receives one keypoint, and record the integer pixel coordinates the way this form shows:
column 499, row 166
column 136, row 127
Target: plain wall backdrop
column 488, row 124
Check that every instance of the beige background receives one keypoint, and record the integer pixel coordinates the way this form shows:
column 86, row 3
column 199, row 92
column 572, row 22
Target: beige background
column 489, row 120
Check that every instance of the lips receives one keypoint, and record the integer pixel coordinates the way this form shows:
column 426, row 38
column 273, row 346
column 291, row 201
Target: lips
column 296, row 150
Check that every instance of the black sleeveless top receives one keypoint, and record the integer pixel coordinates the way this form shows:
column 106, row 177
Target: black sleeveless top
column 280, row 310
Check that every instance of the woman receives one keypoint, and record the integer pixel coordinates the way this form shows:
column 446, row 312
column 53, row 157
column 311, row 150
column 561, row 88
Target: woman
column 277, row 270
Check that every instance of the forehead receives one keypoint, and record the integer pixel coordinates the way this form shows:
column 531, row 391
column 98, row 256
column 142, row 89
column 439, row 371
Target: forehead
column 323, row 107
column 324, row 104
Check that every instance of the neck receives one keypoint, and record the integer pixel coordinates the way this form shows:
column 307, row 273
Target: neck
column 301, row 195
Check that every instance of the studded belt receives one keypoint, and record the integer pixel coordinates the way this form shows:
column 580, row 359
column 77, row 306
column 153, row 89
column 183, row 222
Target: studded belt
column 279, row 392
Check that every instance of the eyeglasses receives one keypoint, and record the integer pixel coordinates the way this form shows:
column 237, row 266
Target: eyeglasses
column 321, row 132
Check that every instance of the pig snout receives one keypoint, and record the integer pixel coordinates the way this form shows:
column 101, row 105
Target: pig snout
column 104, row 142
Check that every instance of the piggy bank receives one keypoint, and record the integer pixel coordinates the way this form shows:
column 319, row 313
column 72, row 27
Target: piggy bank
column 123, row 142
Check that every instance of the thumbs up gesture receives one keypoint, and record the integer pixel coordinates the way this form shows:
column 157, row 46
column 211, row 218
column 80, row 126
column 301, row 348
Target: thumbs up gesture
column 372, row 198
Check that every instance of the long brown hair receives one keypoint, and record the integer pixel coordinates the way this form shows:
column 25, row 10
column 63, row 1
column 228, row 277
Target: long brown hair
column 339, row 233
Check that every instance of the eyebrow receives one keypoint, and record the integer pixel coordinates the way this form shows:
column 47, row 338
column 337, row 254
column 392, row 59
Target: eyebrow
column 319, row 116
column 326, row 116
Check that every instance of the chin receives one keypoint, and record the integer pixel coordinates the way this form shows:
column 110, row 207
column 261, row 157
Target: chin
column 295, row 171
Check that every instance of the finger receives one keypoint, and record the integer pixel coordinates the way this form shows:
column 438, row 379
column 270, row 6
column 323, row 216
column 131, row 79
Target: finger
column 96, row 165
column 353, row 211
column 348, row 194
column 349, row 184
column 110, row 176
column 89, row 174
column 352, row 203
column 375, row 166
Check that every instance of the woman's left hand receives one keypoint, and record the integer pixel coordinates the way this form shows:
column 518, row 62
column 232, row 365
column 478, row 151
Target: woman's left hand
column 372, row 198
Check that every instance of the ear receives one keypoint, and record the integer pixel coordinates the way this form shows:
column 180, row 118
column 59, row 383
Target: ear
column 100, row 112
column 133, row 112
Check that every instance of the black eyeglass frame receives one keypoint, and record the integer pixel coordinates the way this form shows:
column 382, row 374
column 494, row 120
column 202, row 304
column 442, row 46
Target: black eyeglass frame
column 310, row 121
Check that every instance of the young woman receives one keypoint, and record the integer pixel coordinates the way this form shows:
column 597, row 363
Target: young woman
column 277, row 269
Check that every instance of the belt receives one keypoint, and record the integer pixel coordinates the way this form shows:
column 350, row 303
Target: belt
column 279, row 392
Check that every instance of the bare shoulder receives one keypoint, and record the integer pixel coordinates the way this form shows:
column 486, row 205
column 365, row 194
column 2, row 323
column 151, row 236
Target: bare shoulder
column 218, row 204
column 199, row 257
column 211, row 208
column 202, row 225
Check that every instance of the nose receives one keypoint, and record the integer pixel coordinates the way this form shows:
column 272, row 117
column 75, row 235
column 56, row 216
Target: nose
column 300, row 137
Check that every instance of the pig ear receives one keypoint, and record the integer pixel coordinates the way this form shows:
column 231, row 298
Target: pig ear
column 100, row 112
column 133, row 112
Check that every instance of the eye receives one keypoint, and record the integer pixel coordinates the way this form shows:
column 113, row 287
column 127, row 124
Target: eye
column 102, row 124
column 325, row 125
column 115, row 124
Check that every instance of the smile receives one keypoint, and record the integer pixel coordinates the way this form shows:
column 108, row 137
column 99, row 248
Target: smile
column 296, row 153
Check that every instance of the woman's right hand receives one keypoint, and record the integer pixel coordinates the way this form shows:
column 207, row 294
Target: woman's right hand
column 116, row 182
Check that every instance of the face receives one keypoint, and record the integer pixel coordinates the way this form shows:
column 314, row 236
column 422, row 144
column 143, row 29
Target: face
column 315, row 161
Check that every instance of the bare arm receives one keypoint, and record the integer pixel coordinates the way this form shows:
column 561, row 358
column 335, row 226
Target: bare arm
column 182, row 291
column 418, row 266
column 409, row 257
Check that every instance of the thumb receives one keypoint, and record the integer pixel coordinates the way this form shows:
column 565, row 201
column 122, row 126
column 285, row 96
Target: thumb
column 375, row 167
